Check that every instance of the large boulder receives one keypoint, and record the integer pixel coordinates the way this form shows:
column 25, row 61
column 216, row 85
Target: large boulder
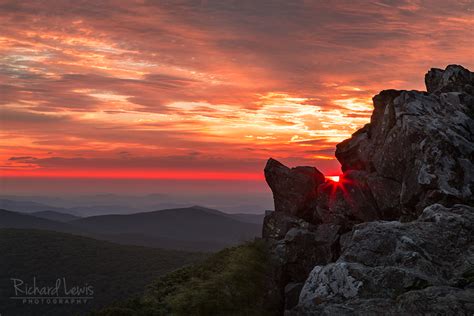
column 297, row 253
column 454, row 78
column 420, row 144
column 302, row 249
column 399, row 266
column 294, row 190
column 277, row 224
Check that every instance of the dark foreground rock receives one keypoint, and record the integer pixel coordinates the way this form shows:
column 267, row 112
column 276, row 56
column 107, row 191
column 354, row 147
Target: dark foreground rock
column 399, row 265
column 294, row 190
column 420, row 144
column 395, row 235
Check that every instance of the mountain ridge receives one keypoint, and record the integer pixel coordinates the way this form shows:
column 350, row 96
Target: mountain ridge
column 193, row 228
column 55, row 216
column 203, row 225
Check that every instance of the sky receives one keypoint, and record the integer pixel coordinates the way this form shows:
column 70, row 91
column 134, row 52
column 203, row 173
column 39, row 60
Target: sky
column 195, row 96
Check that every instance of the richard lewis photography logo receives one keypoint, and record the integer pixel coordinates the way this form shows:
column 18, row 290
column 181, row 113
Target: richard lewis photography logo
column 59, row 292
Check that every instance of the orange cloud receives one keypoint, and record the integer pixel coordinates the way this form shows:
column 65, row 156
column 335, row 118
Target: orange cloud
column 224, row 84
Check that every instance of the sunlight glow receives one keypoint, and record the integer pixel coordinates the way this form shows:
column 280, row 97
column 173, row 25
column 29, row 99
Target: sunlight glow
column 333, row 178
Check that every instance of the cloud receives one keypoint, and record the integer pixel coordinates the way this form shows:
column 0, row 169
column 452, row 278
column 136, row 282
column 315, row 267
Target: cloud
column 232, row 82
column 10, row 116
column 176, row 162
column 22, row 159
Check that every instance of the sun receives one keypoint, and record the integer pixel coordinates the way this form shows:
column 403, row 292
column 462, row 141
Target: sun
column 333, row 178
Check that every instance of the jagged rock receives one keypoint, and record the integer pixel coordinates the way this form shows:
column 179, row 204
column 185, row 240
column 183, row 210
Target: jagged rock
column 419, row 142
column 275, row 281
column 430, row 301
column 386, row 195
column 404, row 242
column 436, row 300
column 292, row 294
column 345, row 203
column 390, row 260
column 454, row 78
column 277, row 224
column 294, row 190
column 302, row 249
column 352, row 153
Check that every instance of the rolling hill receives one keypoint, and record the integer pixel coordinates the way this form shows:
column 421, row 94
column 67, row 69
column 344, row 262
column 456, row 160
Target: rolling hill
column 28, row 206
column 115, row 271
column 233, row 281
column 55, row 216
column 200, row 227
column 191, row 229
column 9, row 219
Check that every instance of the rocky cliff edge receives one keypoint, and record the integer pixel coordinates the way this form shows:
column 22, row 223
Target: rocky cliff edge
column 395, row 234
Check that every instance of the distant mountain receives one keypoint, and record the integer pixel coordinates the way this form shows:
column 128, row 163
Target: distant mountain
column 162, row 242
column 29, row 206
column 241, row 217
column 102, row 204
column 55, row 216
column 95, row 210
column 115, row 271
column 249, row 218
column 25, row 206
column 10, row 219
column 193, row 229
column 197, row 225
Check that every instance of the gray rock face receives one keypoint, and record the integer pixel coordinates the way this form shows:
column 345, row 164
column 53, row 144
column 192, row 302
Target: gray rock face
column 302, row 249
column 420, row 144
column 346, row 203
column 453, row 79
column 401, row 265
column 277, row 224
column 294, row 190
column 395, row 235
column 298, row 252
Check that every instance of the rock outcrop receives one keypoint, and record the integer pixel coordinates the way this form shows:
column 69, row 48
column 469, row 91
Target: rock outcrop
column 420, row 144
column 395, row 235
column 399, row 265
column 295, row 189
